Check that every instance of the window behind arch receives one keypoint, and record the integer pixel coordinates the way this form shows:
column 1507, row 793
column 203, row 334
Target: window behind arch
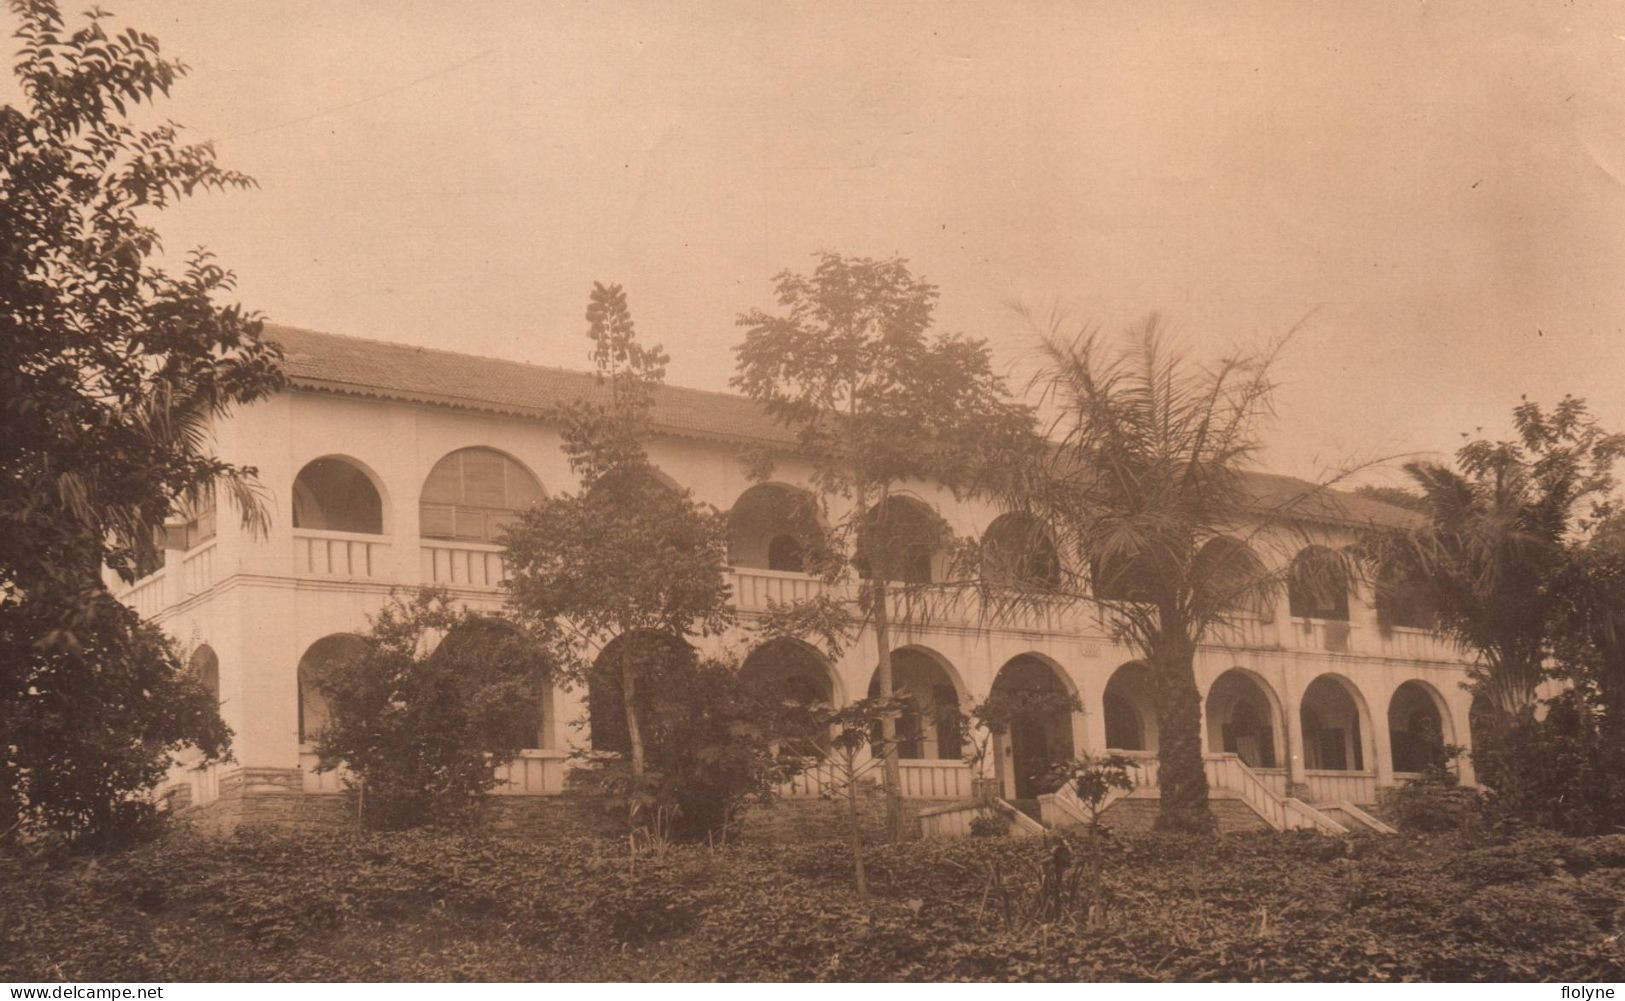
column 473, row 494
column 332, row 495
column 784, row 553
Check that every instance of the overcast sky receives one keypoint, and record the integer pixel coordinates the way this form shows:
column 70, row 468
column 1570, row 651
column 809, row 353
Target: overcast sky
column 1438, row 183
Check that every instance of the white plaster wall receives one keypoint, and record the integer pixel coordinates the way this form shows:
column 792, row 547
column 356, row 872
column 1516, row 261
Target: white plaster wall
column 260, row 618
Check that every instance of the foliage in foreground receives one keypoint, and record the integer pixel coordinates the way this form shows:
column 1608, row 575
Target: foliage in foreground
column 425, row 906
column 111, row 370
column 422, row 727
column 711, row 744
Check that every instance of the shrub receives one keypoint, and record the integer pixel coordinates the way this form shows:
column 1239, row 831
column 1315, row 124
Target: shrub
column 709, row 740
column 423, row 731
column 1523, row 916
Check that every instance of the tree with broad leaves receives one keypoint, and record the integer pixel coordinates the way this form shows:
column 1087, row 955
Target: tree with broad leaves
column 111, row 371
column 1518, row 559
column 627, row 557
column 422, row 726
column 877, row 404
column 1495, row 533
column 1147, row 484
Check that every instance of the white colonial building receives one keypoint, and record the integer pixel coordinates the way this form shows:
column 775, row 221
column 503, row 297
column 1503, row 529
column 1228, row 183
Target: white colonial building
column 389, row 466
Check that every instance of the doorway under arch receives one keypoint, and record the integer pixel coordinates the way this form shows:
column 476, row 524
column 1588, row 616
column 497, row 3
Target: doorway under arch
column 1037, row 710
column 1129, row 713
column 1243, row 718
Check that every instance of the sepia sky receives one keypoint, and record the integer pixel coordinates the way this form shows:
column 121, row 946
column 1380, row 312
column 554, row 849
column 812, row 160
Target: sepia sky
column 1438, row 185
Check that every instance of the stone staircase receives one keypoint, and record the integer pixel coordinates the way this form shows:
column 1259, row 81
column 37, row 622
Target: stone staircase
column 1239, row 798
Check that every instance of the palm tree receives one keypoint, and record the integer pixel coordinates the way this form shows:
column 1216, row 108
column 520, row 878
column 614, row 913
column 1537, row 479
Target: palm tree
column 1495, row 537
column 1147, row 486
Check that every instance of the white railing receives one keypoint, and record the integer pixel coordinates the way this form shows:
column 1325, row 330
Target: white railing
column 331, row 781
column 1328, row 635
column 821, row 779
column 149, row 596
column 755, row 590
column 921, row 778
column 533, row 773
column 1338, row 787
column 1405, row 643
column 929, row 779
column 205, row 782
column 463, row 564
column 1244, row 631
column 1226, row 771
column 197, row 571
column 339, row 554
column 1300, row 815
column 1275, row 778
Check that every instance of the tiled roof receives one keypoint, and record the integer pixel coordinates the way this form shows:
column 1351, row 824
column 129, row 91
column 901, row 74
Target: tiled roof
column 360, row 367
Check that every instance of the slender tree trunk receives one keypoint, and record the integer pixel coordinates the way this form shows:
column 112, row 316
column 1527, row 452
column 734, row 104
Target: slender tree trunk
column 855, row 829
column 634, row 734
column 890, row 770
column 1182, row 778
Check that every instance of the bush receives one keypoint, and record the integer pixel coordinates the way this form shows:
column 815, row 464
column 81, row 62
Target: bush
column 425, row 905
column 1558, row 772
column 423, row 732
column 709, row 741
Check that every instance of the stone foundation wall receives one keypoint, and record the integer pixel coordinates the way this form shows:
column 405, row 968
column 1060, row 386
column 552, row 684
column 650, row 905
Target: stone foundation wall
column 1138, row 813
column 786, row 821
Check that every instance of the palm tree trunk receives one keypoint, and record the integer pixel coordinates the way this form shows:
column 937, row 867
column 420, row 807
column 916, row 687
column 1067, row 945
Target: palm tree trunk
column 1182, row 777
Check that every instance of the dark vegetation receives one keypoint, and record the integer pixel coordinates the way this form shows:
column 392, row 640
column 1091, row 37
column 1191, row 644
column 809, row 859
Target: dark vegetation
column 425, row 905
column 111, row 371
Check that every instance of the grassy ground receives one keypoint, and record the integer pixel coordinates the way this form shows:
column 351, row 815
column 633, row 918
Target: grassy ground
column 447, row 907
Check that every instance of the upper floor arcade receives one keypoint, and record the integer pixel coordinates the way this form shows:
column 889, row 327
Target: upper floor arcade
column 376, row 479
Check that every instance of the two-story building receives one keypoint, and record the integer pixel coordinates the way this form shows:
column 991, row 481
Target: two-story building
column 388, row 466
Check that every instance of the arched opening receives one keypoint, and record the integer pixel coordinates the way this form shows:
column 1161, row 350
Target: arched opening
column 1016, row 552
column 1332, row 717
column 930, row 727
column 473, row 494
column 1230, row 577
column 1036, row 704
column 795, row 676
column 1123, row 577
column 205, row 667
column 901, row 539
column 772, row 527
column 313, row 666
column 1416, row 728
column 334, row 495
column 499, row 647
column 1130, row 714
column 650, row 655
column 1242, row 719
column 1318, row 585
column 1403, row 601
